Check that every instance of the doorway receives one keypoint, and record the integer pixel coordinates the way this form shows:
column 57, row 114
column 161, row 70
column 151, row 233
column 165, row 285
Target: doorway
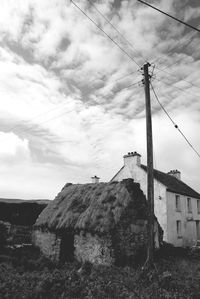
column 67, row 247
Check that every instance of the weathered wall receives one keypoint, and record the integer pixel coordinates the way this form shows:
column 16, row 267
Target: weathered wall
column 130, row 241
column 188, row 220
column 19, row 234
column 92, row 248
column 130, row 237
column 126, row 243
column 131, row 170
column 48, row 242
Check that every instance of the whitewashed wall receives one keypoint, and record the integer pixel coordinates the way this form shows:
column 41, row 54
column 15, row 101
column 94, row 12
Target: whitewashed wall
column 188, row 220
column 131, row 170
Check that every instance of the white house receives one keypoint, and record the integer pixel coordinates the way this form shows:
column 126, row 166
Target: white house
column 176, row 205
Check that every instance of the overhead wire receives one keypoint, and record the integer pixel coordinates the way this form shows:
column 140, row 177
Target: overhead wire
column 172, row 17
column 175, row 76
column 175, row 47
column 179, row 88
column 173, row 64
column 176, row 19
column 61, row 106
column 117, row 30
column 66, row 112
column 173, row 122
column 108, row 36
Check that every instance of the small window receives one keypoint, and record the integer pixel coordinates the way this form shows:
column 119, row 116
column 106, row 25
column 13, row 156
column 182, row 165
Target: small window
column 178, row 228
column 189, row 205
column 198, row 229
column 198, row 206
column 178, row 203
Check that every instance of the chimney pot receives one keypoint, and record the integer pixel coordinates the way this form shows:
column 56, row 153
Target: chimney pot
column 176, row 173
column 95, row 179
column 132, row 158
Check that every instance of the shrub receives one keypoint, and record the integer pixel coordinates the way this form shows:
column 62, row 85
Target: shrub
column 3, row 234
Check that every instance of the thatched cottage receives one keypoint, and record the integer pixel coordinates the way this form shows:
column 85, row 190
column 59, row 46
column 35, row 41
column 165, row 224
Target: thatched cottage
column 101, row 223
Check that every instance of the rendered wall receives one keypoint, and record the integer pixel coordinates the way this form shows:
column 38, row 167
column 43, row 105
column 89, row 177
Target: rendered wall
column 188, row 221
column 48, row 242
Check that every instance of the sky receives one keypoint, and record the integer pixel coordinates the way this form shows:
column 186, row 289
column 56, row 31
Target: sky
column 68, row 111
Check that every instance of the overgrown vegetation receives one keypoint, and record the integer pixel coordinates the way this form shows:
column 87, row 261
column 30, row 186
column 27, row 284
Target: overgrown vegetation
column 24, row 273
column 3, row 235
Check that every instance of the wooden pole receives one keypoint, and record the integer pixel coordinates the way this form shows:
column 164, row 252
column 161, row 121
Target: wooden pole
column 150, row 183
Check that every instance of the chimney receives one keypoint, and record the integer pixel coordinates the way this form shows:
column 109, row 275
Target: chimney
column 176, row 173
column 132, row 158
column 95, row 179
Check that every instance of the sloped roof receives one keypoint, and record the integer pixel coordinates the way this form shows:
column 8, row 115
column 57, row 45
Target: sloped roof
column 93, row 207
column 117, row 173
column 172, row 183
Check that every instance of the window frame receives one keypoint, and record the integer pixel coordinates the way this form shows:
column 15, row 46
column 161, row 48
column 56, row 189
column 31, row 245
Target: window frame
column 198, row 206
column 189, row 205
column 179, row 229
column 178, row 203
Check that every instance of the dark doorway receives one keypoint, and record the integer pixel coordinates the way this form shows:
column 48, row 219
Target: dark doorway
column 67, row 247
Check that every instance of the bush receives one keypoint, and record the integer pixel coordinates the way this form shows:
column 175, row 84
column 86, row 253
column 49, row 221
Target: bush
column 35, row 277
column 169, row 250
column 3, row 235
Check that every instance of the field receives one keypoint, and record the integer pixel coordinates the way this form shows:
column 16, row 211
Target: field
column 24, row 273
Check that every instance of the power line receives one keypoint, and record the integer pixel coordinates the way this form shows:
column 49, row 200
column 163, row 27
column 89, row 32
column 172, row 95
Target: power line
column 177, row 46
column 127, row 54
column 37, row 116
column 186, row 24
column 119, row 33
column 124, row 76
column 181, row 89
column 170, row 74
column 61, row 106
column 66, row 112
column 173, row 122
column 173, row 64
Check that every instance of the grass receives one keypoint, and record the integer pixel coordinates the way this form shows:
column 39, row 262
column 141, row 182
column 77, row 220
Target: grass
column 24, row 273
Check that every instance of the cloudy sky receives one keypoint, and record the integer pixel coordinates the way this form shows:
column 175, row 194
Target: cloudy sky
column 68, row 110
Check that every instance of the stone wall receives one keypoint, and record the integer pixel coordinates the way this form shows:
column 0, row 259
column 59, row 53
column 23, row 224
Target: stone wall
column 129, row 242
column 19, row 234
column 93, row 248
column 48, row 242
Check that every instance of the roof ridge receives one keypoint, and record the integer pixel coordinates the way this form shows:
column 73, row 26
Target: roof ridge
column 172, row 183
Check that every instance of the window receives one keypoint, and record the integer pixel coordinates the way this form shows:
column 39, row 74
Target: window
column 198, row 206
column 178, row 229
column 198, row 229
column 178, row 203
column 189, row 205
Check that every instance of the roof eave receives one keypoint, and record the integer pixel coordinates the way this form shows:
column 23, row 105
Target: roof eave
column 183, row 193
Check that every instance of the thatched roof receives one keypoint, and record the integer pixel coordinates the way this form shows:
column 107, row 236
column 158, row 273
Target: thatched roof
column 93, row 207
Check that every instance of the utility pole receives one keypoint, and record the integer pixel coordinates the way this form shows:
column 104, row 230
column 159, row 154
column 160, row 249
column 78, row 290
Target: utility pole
column 150, row 181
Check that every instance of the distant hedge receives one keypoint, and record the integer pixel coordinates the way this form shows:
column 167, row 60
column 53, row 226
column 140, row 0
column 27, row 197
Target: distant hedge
column 3, row 234
column 24, row 213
